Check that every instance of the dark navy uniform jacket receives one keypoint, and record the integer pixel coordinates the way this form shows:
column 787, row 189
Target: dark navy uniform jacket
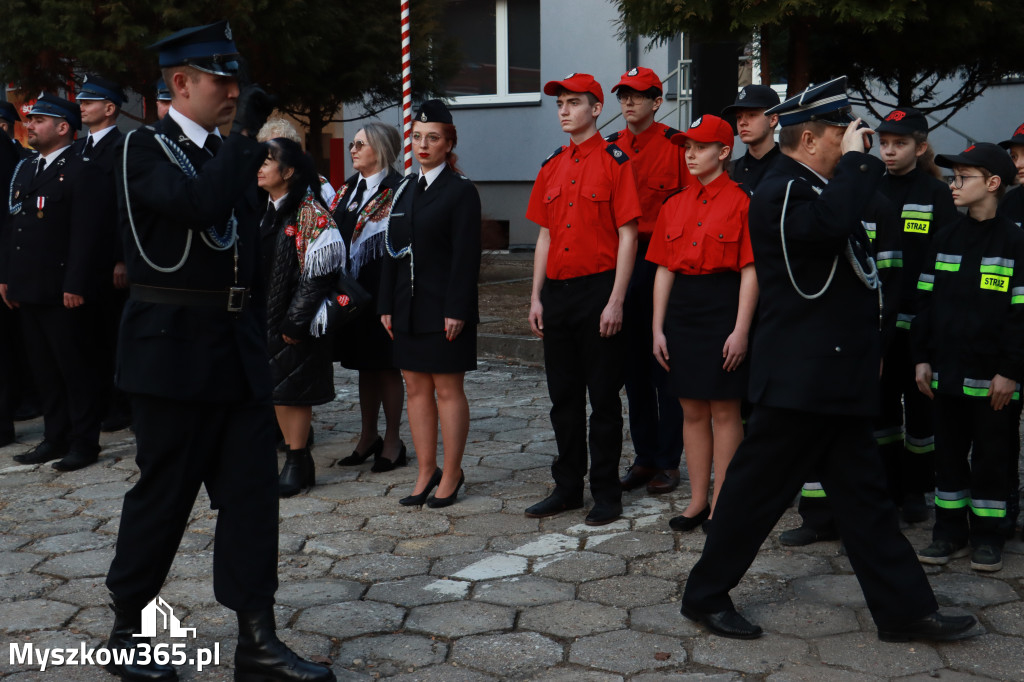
column 103, row 156
column 444, row 226
column 817, row 355
column 52, row 235
column 187, row 352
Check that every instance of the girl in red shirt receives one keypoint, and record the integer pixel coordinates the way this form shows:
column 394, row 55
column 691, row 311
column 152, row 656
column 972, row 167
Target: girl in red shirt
column 705, row 293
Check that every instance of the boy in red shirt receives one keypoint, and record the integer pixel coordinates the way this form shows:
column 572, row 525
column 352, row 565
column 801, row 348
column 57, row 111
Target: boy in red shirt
column 586, row 204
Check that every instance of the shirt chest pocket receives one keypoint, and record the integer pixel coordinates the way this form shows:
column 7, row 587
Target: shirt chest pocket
column 552, row 194
column 721, row 244
column 662, row 185
column 596, row 193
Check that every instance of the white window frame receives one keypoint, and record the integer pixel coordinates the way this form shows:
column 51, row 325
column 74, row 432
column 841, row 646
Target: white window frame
column 501, row 65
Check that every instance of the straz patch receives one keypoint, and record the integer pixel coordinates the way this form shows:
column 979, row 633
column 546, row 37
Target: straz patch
column 995, row 283
column 916, row 226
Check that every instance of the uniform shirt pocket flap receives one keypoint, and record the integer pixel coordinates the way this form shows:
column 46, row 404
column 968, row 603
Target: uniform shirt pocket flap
column 552, row 193
column 597, row 193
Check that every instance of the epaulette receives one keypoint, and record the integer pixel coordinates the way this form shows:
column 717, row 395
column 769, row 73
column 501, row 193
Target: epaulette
column 672, row 195
column 617, row 153
column 553, row 155
column 669, row 132
column 614, row 136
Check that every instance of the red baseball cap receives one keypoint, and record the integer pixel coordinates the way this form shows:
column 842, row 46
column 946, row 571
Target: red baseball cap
column 640, row 78
column 707, row 128
column 576, row 82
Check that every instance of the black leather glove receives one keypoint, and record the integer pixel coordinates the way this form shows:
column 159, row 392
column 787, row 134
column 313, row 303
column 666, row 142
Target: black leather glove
column 254, row 106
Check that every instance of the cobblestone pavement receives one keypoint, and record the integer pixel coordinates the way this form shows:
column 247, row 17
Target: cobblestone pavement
column 477, row 591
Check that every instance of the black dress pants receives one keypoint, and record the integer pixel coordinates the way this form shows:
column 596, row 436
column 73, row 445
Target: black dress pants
column 780, row 450
column 229, row 448
column 655, row 416
column 63, row 354
column 579, row 362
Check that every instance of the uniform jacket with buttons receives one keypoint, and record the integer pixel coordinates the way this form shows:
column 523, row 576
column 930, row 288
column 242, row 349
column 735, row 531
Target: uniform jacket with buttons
column 443, row 224
column 102, row 158
column 817, row 355
column 52, row 233
column 188, row 352
column 970, row 321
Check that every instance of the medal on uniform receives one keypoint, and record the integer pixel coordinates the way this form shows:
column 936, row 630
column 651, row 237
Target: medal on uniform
column 40, row 204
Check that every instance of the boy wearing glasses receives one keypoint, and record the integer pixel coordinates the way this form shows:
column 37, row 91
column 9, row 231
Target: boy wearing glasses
column 968, row 350
column 655, row 418
column 586, row 204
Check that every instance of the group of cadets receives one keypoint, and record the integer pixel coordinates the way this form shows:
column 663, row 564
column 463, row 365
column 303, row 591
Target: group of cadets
column 951, row 309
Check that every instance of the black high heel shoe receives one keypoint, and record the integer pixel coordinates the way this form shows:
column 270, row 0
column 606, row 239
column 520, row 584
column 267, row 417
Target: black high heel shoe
column 687, row 523
column 437, row 502
column 355, row 458
column 418, row 500
column 382, row 463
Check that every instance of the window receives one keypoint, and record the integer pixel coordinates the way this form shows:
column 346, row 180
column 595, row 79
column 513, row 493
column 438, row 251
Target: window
column 500, row 43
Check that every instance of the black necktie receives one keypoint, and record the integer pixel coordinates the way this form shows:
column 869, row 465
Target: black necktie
column 212, row 144
column 41, row 167
column 88, row 146
column 360, row 190
column 268, row 218
column 421, row 186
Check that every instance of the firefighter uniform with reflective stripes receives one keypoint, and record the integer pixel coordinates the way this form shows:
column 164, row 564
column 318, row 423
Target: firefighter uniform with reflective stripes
column 904, row 430
column 970, row 328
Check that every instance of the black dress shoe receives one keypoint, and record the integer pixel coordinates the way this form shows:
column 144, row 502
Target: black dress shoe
column 805, row 535
column 637, row 476
column 382, row 463
column 123, row 640
column 356, row 458
column 418, row 500
column 604, row 513
column 553, row 504
column 686, row 523
column 75, row 460
column 935, row 627
column 44, row 452
column 260, row 656
column 665, row 481
column 437, row 502
column 727, row 623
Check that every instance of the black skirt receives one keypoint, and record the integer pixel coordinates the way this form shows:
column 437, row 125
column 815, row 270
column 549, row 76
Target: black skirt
column 364, row 343
column 700, row 316
column 430, row 352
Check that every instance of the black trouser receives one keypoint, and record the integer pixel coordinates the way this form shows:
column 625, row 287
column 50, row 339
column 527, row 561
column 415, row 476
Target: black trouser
column 904, row 429
column 971, row 495
column 64, row 358
column 578, row 362
column 782, row 447
column 655, row 416
column 229, row 448
column 115, row 401
column 13, row 372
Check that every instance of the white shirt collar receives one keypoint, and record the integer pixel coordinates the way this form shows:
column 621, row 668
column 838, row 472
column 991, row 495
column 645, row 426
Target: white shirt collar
column 277, row 204
column 99, row 134
column 52, row 156
column 192, row 130
column 820, row 176
column 432, row 174
column 372, row 183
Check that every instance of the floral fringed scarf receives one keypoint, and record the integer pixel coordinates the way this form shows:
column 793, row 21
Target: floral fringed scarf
column 318, row 243
column 367, row 242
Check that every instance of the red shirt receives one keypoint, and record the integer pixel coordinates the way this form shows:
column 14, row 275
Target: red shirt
column 583, row 195
column 660, row 168
column 703, row 229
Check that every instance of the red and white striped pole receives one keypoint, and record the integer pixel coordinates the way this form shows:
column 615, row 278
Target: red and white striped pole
column 406, row 87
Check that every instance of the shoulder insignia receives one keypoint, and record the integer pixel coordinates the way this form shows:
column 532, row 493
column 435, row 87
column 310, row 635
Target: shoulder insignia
column 617, row 154
column 553, row 155
column 464, row 177
column 614, row 136
column 669, row 132
column 672, row 195
column 150, row 128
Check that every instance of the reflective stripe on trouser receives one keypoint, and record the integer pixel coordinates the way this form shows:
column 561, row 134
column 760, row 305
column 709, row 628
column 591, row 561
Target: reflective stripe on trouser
column 974, row 448
column 888, row 436
column 978, row 388
column 812, row 489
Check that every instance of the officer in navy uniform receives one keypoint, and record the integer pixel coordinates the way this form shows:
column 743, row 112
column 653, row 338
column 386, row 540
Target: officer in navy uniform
column 193, row 357
column 163, row 99
column 101, row 100
column 50, row 271
column 814, row 381
column 14, row 379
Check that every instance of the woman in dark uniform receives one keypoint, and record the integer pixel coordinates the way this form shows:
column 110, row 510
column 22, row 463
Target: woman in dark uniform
column 361, row 208
column 705, row 292
column 301, row 250
column 428, row 300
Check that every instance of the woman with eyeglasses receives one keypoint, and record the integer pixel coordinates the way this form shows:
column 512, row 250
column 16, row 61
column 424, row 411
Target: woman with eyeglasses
column 361, row 209
column 428, row 300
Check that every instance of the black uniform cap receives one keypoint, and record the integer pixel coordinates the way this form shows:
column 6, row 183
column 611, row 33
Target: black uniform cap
column 1017, row 138
column 9, row 112
column 208, row 48
column 97, row 88
column 433, row 111
column 58, row 107
column 753, row 97
column 991, row 157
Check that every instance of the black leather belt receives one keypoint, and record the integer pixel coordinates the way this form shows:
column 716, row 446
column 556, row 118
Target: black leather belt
column 232, row 300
